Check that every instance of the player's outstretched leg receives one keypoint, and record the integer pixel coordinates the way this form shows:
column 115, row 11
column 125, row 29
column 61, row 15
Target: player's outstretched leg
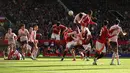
column 88, row 54
column 64, row 54
column 98, row 56
column 73, row 53
column 95, row 58
column 117, row 57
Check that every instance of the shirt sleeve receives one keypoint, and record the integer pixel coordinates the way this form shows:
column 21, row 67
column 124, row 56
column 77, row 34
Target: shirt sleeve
column 54, row 26
column 75, row 19
column 62, row 27
column 15, row 36
column 34, row 35
column 91, row 22
column 27, row 31
column 121, row 30
column 19, row 33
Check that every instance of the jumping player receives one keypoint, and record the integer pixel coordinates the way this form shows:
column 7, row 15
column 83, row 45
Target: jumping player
column 78, row 17
column 85, row 20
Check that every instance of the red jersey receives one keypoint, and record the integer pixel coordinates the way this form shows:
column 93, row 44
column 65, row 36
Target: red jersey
column 104, row 34
column 86, row 20
column 57, row 29
column 67, row 37
column 15, row 55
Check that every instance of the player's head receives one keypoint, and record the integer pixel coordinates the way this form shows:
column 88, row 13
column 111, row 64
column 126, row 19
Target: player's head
column 30, row 29
column 80, row 15
column 22, row 26
column 58, row 23
column 105, row 23
column 117, row 21
column 35, row 27
column 9, row 30
column 90, row 12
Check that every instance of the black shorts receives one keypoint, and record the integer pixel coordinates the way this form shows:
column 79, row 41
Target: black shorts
column 31, row 44
column 23, row 42
column 114, row 46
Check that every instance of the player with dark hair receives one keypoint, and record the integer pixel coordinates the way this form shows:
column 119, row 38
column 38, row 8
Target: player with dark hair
column 85, row 20
column 23, row 34
column 114, row 41
column 100, row 43
column 34, row 41
column 86, row 43
column 56, row 30
column 70, row 43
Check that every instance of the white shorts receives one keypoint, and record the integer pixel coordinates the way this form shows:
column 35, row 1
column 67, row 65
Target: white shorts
column 12, row 42
column 70, row 44
column 100, row 46
column 28, row 48
column 55, row 36
column 87, row 47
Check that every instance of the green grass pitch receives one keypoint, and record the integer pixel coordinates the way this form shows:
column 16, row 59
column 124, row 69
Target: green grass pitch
column 54, row 65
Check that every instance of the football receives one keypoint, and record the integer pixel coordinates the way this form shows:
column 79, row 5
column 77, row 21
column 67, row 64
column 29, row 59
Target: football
column 70, row 13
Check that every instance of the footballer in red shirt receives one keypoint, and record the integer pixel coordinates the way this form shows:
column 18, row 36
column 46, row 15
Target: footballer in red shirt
column 100, row 43
column 84, row 19
column 70, row 43
column 57, row 28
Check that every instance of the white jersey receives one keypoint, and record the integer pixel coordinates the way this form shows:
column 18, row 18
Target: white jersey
column 11, row 38
column 116, row 32
column 35, row 34
column 23, row 34
column 32, row 36
column 86, row 29
column 77, row 18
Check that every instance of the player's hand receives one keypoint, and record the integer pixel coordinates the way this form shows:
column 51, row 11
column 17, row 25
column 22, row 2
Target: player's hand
column 124, row 33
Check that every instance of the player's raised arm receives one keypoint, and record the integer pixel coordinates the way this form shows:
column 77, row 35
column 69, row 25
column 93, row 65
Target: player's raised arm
column 122, row 32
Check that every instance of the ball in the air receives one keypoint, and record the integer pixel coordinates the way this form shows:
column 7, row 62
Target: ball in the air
column 70, row 12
